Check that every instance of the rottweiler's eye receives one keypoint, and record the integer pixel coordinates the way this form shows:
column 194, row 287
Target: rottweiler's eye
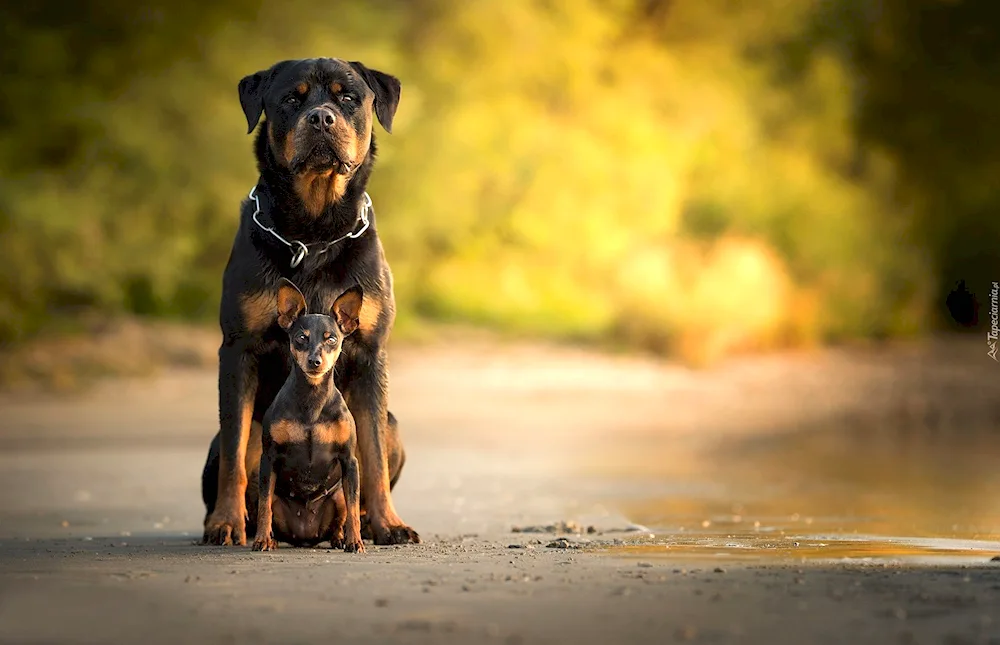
column 346, row 98
column 292, row 100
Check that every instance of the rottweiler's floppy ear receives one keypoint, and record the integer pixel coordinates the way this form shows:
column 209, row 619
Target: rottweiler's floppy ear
column 252, row 97
column 386, row 89
column 347, row 309
column 291, row 303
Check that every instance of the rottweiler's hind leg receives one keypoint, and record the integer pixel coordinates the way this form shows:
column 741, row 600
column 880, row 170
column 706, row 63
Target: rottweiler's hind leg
column 210, row 477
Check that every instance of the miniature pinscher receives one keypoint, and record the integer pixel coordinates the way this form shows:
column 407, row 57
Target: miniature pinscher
column 304, row 498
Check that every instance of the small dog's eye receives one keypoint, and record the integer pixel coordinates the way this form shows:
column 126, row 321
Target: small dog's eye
column 332, row 340
column 301, row 338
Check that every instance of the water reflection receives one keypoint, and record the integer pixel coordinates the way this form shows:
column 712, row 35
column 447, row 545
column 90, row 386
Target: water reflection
column 834, row 548
column 828, row 493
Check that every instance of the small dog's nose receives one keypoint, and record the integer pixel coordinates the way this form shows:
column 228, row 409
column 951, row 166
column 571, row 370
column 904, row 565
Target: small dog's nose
column 321, row 118
column 315, row 362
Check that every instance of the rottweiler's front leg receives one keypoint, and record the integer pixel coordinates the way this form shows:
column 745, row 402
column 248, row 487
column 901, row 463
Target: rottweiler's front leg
column 237, row 390
column 366, row 397
column 264, row 540
column 351, row 485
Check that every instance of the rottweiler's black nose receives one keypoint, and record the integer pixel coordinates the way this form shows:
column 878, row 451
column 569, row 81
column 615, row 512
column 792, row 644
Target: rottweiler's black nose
column 321, row 118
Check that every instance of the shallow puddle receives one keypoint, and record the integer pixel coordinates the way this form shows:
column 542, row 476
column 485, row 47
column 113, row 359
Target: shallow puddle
column 831, row 548
column 825, row 495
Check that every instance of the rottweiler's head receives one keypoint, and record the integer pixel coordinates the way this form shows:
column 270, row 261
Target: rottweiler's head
column 316, row 339
column 319, row 114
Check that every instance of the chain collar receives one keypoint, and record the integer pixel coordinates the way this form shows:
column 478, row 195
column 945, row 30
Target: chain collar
column 300, row 250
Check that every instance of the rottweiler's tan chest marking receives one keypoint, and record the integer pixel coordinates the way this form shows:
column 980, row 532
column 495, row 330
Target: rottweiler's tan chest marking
column 259, row 310
column 370, row 314
column 320, row 189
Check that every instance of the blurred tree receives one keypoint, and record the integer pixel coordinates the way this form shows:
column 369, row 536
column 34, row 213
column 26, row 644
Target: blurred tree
column 691, row 177
column 75, row 216
column 927, row 93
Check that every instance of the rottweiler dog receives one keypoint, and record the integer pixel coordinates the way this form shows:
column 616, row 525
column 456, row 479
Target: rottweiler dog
column 309, row 482
column 309, row 219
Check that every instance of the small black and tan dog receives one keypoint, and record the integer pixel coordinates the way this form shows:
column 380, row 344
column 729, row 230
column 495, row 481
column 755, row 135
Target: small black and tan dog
column 308, row 219
column 308, row 484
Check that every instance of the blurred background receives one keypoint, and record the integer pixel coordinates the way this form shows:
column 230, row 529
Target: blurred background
column 692, row 178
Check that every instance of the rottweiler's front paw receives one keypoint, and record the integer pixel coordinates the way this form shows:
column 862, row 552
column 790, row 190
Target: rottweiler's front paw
column 354, row 545
column 265, row 543
column 226, row 527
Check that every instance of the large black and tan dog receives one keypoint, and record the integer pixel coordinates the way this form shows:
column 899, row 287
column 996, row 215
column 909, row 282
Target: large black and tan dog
column 309, row 220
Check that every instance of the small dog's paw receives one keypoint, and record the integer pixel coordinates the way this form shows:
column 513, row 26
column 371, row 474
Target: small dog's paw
column 337, row 543
column 354, row 545
column 266, row 543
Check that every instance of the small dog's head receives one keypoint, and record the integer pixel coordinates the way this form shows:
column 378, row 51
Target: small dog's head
column 319, row 112
column 315, row 339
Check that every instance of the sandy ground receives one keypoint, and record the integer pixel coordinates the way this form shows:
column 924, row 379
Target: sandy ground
column 100, row 507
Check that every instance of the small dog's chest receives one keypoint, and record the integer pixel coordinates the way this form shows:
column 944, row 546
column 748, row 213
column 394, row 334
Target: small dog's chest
column 302, row 523
column 306, row 463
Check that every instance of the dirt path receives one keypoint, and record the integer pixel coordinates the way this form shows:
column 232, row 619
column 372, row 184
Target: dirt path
column 99, row 505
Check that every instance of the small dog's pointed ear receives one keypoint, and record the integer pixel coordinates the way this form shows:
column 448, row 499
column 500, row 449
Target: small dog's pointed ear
column 252, row 97
column 347, row 309
column 291, row 303
column 386, row 88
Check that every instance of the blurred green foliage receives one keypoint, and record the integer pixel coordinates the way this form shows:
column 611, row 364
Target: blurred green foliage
column 692, row 177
